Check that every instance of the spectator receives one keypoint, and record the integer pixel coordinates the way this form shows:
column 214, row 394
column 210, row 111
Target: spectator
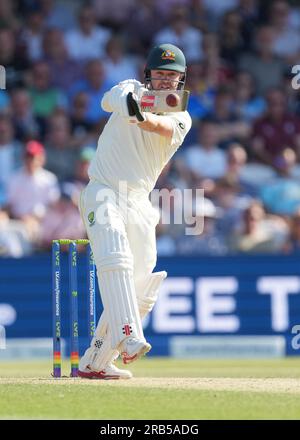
column 215, row 70
column 205, row 159
column 88, row 40
column 165, row 8
column 14, row 240
column 63, row 220
column 282, row 194
column 118, row 66
column 32, row 188
column 255, row 234
column 58, row 60
column 83, row 163
column 276, row 130
column 294, row 16
column 143, row 22
column 287, row 39
column 58, row 14
column 201, row 94
column 80, row 126
column 32, row 34
column 292, row 245
column 230, row 198
column 16, row 64
column 25, row 124
column 95, row 84
column 216, row 10
column 81, row 177
column 249, row 177
column 61, row 156
column 231, row 128
column 8, row 16
column 199, row 16
column 231, row 40
column 247, row 105
column 209, row 242
column 115, row 13
column 10, row 155
column 236, row 159
column 201, row 99
column 249, row 12
column 182, row 34
column 45, row 98
column 263, row 61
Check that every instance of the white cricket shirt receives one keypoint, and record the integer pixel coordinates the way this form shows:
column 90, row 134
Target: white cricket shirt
column 128, row 153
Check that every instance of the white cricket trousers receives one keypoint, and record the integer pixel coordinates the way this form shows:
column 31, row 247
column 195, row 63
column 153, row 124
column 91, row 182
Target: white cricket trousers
column 122, row 237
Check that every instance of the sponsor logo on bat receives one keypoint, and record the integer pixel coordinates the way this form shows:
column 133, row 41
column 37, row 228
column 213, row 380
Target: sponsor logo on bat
column 147, row 101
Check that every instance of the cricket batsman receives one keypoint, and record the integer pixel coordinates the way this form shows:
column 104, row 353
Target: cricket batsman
column 120, row 220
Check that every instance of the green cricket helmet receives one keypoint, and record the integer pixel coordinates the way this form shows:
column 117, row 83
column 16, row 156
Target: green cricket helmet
column 165, row 57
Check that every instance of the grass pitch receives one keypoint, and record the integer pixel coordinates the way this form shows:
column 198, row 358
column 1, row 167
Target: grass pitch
column 162, row 388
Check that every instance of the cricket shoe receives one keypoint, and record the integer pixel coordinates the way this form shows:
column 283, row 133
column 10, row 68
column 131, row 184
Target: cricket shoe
column 110, row 372
column 133, row 349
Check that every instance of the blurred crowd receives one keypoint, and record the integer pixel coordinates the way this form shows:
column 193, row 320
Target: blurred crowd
column 244, row 146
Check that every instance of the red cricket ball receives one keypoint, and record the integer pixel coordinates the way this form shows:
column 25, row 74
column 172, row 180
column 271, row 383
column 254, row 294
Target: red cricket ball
column 172, row 100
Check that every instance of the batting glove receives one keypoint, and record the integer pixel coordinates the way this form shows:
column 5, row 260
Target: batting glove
column 134, row 109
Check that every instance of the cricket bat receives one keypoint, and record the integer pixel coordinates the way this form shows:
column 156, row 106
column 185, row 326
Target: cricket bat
column 164, row 101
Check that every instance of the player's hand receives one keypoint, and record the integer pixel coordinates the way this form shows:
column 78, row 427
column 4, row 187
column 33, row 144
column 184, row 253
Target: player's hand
column 134, row 109
column 116, row 99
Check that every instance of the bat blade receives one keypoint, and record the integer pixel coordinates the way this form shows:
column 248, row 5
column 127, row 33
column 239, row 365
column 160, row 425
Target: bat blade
column 155, row 101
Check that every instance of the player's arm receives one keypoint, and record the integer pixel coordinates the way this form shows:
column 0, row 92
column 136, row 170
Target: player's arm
column 161, row 125
column 106, row 104
column 115, row 99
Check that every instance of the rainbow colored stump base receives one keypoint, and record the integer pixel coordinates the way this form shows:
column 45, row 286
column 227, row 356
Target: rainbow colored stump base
column 73, row 297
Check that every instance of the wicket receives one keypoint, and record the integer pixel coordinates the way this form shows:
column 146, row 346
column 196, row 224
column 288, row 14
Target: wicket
column 73, row 295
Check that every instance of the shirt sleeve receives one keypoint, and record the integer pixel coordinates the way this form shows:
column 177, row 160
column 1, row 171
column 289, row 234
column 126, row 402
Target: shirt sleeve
column 111, row 99
column 181, row 126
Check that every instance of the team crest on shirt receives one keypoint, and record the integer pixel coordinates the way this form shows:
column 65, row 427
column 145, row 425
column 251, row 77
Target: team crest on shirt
column 91, row 218
column 168, row 55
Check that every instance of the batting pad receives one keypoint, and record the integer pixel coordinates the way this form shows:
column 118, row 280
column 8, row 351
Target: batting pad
column 115, row 275
column 148, row 297
column 100, row 352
